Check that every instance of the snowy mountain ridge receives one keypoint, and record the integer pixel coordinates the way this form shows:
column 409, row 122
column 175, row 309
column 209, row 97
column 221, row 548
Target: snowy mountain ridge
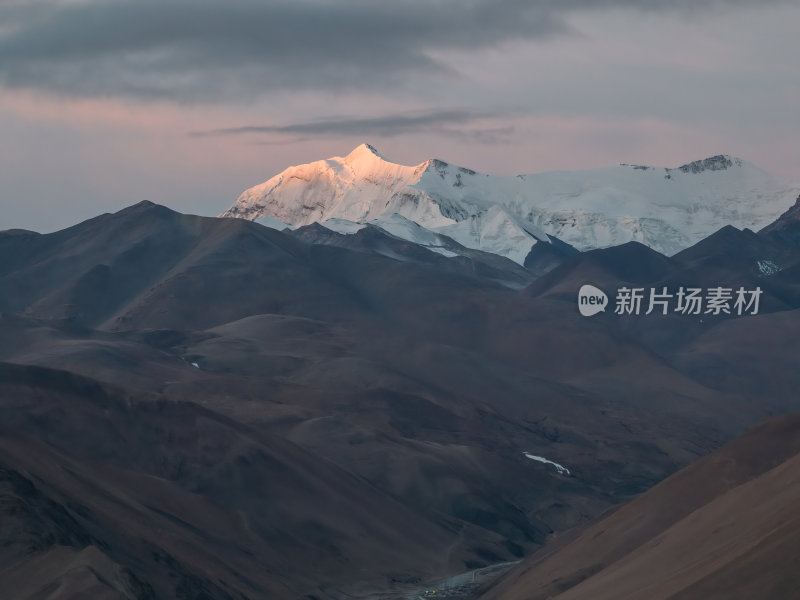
column 667, row 209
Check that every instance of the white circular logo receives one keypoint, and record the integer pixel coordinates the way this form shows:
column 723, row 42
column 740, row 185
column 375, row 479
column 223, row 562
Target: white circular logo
column 591, row 300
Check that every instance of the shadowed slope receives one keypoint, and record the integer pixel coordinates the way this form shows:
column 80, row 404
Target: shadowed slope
column 173, row 498
column 727, row 527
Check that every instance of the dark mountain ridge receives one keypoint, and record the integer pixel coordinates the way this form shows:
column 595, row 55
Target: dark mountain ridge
column 398, row 382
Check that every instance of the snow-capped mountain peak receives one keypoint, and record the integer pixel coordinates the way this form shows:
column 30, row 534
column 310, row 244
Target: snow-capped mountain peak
column 666, row 208
column 719, row 162
column 364, row 158
column 364, row 150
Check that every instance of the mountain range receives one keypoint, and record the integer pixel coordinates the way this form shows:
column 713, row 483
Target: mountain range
column 200, row 407
column 435, row 203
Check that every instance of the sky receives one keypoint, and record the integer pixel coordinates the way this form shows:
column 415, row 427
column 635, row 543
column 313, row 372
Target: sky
column 104, row 103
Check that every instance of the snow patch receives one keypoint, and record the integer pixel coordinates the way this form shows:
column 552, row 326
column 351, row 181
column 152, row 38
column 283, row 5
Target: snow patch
column 397, row 226
column 406, row 229
column 561, row 469
column 273, row 223
column 443, row 251
column 767, row 267
column 343, row 226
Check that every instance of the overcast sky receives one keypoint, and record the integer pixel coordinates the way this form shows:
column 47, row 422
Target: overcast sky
column 104, row 103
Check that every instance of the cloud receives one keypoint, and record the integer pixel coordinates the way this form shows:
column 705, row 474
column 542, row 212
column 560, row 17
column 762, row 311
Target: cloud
column 205, row 49
column 201, row 50
column 454, row 123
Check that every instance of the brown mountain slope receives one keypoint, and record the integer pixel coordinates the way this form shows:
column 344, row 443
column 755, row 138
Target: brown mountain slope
column 100, row 488
column 428, row 381
column 424, row 380
column 727, row 527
